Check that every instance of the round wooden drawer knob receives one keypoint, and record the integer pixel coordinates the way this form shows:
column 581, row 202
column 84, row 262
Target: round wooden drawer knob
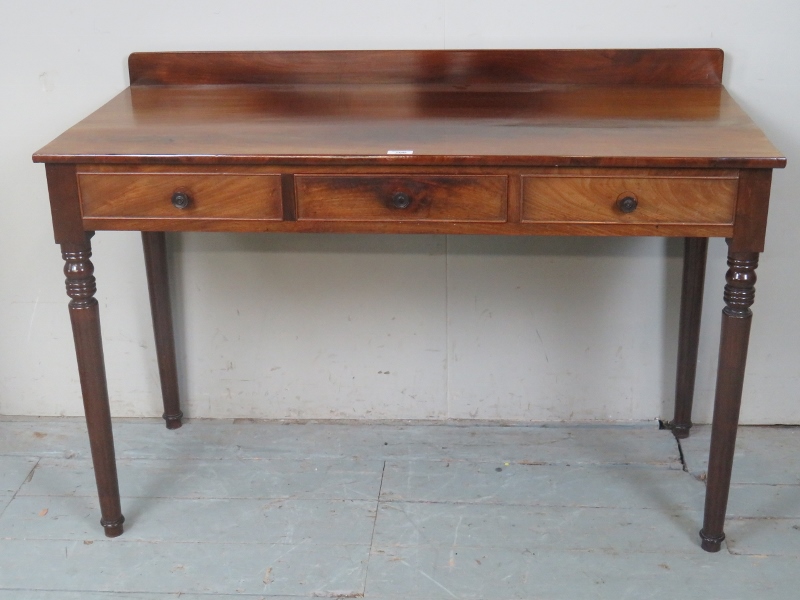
column 627, row 203
column 181, row 200
column 401, row 200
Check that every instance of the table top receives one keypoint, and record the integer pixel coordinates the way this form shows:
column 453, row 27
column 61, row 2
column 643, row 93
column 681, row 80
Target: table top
column 589, row 108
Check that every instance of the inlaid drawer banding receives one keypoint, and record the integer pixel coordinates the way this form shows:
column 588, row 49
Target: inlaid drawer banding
column 672, row 198
column 456, row 198
column 181, row 195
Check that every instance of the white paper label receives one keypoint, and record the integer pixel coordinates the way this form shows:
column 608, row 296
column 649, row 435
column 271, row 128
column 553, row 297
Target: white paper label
column 399, row 152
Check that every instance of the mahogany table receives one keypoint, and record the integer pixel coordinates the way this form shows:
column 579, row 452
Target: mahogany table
column 506, row 142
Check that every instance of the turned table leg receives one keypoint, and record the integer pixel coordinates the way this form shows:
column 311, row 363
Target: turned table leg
column 85, row 316
column 694, row 273
column 736, row 318
column 155, row 259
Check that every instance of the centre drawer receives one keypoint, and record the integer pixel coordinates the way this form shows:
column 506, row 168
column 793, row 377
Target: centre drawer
column 181, row 195
column 666, row 197
column 467, row 198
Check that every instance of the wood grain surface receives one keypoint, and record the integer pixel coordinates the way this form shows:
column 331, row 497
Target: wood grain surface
column 680, row 66
column 211, row 196
column 431, row 198
column 527, row 108
column 667, row 198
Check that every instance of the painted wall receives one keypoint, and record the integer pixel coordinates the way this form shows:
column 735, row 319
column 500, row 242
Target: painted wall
column 348, row 326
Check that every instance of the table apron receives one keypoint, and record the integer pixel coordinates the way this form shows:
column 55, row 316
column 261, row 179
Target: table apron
column 441, row 200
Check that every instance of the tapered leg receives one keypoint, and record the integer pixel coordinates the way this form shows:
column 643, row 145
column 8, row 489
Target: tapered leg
column 694, row 273
column 736, row 318
column 85, row 317
column 155, row 258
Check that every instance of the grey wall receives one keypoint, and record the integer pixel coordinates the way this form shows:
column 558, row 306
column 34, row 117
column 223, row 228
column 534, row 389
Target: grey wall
column 347, row 326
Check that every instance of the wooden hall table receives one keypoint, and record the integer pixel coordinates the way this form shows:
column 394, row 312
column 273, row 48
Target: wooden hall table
column 506, row 142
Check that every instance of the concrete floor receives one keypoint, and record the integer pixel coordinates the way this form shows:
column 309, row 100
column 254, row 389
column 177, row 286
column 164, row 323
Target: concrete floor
column 267, row 510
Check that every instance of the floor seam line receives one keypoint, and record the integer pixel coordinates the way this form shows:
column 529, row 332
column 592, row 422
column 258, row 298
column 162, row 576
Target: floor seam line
column 374, row 526
column 680, row 453
column 127, row 594
column 14, row 495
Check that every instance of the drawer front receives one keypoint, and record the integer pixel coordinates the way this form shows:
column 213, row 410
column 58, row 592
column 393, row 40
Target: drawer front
column 659, row 199
column 210, row 196
column 481, row 198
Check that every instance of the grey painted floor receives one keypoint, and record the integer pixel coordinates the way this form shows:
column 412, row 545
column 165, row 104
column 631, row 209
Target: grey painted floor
column 222, row 509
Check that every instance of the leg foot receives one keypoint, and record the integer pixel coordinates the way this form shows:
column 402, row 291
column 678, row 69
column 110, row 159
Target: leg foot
column 681, row 432
column 113, row 528
column 173, row 421
column 711, row 543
